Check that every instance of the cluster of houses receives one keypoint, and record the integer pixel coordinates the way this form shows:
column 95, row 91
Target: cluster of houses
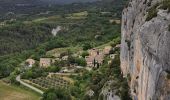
column 45, row 62
column 96, row 56
column 94, row 59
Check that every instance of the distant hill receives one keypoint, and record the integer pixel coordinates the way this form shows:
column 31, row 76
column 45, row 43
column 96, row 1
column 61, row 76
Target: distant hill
column 33, row 2
column 67, row 1
column 29, row 6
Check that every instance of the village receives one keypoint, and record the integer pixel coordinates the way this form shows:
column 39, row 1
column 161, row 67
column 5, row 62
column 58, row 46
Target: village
column 62, row 67
column 94, row 58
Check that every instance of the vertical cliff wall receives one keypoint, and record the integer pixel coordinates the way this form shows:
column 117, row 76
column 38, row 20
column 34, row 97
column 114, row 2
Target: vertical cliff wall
column 145, row 49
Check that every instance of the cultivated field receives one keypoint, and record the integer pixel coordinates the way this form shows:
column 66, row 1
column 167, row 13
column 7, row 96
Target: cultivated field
column 10, row 92
column 50, row 82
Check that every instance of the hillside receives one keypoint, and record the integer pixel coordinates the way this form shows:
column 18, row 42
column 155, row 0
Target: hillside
column 38, row 2
column 34, row 32
column 68, row 52
column 28, row 6
column 27, row 32
column 85, row 49
column 67, row 1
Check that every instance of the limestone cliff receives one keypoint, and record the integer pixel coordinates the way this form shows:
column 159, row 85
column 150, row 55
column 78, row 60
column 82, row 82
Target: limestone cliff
column 145, row 50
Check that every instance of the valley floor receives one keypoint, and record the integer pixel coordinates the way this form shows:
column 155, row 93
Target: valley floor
column 11, row 92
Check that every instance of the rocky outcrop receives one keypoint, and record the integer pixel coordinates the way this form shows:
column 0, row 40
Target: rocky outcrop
column 145, row 50
column 55, row 31
column 109, row 91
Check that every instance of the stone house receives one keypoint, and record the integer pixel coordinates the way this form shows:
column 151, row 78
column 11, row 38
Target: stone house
column 95, row 58
column 45, row 62
column 89, row 61
column 99, row 59
column 107, row 50
column 30, row 62
column 93, row 52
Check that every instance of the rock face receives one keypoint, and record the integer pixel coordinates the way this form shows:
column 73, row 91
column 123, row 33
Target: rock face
column 145, row 51
column 109, row 92
column 55, row 31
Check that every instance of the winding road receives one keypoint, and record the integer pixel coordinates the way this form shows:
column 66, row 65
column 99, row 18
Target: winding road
column 18, row 78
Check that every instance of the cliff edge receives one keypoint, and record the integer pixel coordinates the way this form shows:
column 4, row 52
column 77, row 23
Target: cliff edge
column 145, row 48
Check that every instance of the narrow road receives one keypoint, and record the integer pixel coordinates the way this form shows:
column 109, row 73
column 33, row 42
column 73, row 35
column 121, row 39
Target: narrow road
column 18, row 78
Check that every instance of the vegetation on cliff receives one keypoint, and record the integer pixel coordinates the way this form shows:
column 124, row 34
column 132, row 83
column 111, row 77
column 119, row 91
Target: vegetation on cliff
column 152, row 12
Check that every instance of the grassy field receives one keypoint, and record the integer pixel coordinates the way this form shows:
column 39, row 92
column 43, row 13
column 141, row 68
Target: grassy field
column 80, row 15
column 10, row 92
column 69, row 18
column 62, row 50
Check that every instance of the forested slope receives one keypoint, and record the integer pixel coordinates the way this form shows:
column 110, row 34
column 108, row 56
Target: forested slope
column 34, row 32
column 20, row 37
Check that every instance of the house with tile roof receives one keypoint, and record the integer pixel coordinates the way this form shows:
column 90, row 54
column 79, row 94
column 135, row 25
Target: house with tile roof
column 107, row 50
column 30, row 62
column 95, row 58
column 45, row 62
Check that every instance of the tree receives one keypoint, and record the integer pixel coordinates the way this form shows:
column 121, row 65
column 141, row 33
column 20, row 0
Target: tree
column 81, row 61
column 87, row 46
column 57, row 94
column 84, row 54
column 51, row 96
column 53, row 69
column 75, row 91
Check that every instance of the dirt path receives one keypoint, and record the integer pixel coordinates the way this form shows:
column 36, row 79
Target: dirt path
column 18, row 78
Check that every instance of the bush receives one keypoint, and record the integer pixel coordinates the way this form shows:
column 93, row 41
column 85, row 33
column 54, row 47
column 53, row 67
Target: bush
column 165, row 5
column 53, row 69
column 84, row 54
column 152, row 12
column 87, row 46
column 57, row 94
column 81, row 61
column 34, row 73
column 13, row 80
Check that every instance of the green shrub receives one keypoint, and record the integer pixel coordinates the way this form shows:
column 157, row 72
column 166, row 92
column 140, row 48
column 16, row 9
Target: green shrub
column 57, row 94
column 81, row 61
column 152, row 12
column 53, row 69
column 84, row 54
column 165, row 5
column 87, row 46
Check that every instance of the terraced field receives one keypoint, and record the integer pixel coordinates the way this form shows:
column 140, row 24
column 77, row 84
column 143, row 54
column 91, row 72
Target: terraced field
column 50, row 82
